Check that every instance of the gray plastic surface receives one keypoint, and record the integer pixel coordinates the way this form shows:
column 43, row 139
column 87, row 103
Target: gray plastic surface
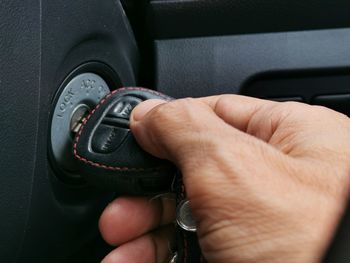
column 85, row 89
column 216, row 65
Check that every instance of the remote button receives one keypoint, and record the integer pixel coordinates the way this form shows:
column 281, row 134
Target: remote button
column 108, row 138
column 122, row 109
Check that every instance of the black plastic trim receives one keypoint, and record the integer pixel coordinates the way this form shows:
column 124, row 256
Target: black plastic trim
column 224, row 64
column 193, row 18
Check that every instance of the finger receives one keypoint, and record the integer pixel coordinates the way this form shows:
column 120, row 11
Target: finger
column 151, row 248
column 253, row 116
column 147, row 106
column 176, row 129
column 188, row 128
column 237, row 110
column 262, row 118
column 127, row 218
column 189, row 133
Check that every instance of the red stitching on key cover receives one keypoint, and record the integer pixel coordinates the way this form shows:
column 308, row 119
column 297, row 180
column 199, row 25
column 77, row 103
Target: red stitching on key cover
column 114, row 168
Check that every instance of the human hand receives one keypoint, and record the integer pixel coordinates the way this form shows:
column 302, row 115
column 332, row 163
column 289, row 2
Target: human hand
column 267, row 181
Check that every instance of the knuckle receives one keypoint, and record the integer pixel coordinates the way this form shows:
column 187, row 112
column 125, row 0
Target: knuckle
column 223, row 104
column 319, row 108
column 291, row 106
column 184, row 104
column 326, row 112
column 167, row 109
column 172, row 110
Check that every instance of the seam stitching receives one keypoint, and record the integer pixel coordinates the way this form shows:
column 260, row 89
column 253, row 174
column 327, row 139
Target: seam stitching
column 99, row 165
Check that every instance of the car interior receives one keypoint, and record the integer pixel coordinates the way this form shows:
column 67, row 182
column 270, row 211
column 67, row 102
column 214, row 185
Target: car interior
column 59, row 58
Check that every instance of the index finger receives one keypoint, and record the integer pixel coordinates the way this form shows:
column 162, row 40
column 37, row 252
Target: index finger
column 236, row 110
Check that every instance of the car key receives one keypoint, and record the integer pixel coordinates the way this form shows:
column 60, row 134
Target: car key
column 109, row 157
column 107, row 153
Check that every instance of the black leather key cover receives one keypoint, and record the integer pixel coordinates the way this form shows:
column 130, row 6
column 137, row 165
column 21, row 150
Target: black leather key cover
column 108, row 154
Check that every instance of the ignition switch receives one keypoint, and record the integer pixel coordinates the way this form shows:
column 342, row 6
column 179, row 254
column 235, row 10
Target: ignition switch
column 75, row 101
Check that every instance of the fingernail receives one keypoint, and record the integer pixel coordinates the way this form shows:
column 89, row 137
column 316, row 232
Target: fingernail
column 143, row 108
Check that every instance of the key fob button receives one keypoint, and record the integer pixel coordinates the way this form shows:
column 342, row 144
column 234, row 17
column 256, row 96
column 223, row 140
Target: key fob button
column 107, row 138
column 122, row 108
column 107, row 153
column 114, row 127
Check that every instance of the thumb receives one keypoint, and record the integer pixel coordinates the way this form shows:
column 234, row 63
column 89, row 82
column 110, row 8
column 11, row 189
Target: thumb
column 181, row 131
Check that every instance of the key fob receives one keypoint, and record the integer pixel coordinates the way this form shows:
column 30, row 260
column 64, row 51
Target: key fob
column 107, row 153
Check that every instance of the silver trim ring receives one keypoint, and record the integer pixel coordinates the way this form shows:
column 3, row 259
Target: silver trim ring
column 184, row 217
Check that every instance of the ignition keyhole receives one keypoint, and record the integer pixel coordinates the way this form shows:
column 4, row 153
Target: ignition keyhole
column 73, row 103
column 78, row 116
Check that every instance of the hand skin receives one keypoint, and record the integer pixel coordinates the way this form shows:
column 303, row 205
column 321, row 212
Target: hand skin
column 267, row 181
